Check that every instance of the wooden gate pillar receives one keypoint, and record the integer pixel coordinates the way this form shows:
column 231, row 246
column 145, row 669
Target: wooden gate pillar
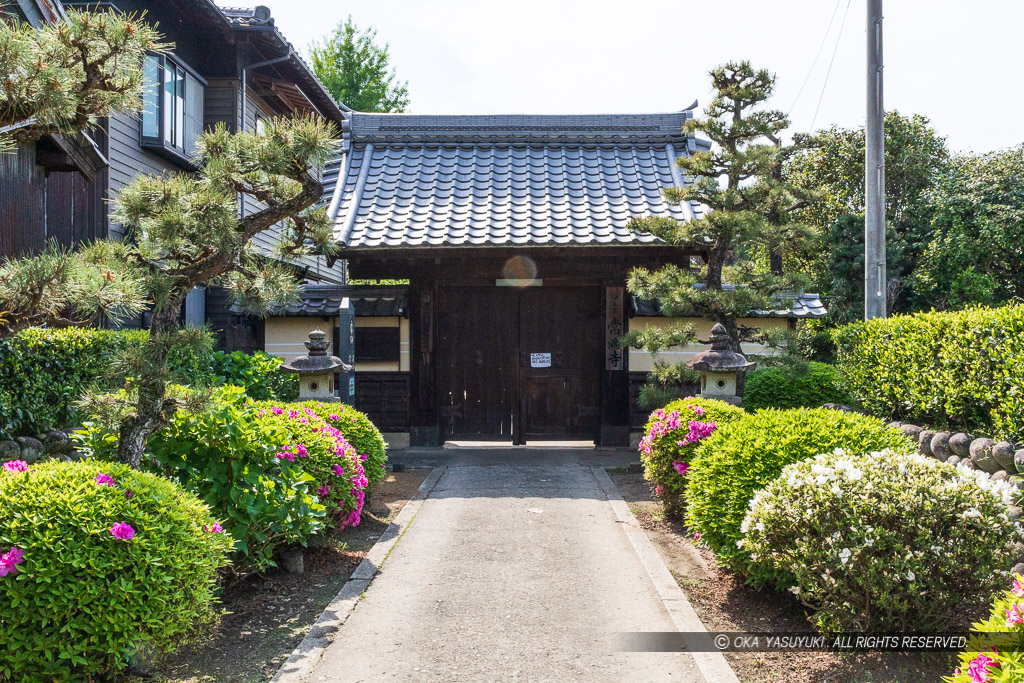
column 424, row 424
column 615, row 377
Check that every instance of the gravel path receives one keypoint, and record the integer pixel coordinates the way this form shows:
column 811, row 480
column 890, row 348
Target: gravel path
column 510, row 572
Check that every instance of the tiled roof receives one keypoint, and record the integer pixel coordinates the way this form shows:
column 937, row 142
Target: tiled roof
column 448, row 181
column 325, row 300
column 789, row 305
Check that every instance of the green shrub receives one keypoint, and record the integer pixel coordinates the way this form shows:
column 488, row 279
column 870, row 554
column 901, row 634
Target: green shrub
column 358, row 431
column 814, row 341
column 84, row 603
column 743, row 457
column 258, row 374
column 44, row 372
column 791, row 386
column 339, row 478
column 961, row 370
column 227, row 456
column 669, row 442
column 886, row 542
column 995, row 651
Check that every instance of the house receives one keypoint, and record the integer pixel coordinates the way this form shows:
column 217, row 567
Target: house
column 228, row 65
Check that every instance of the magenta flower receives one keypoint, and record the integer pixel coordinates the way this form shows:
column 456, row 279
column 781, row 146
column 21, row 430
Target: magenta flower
column 659, row 489
column 364, row 457
column 323, row 491
column 286, row 455
column 978, row 670
column 1018, row 588
column 696, row 535
column 122, row 531
column 333, row 416
column 10, row 560
column 681, row 467
column 354, row 518
column 301, row 451
column 339, row 470
column 214, row 528
column 1014, row 616
column 129, row 494
column 276, row 411
column 360, row 481
column 16, row 466
column 104, row 479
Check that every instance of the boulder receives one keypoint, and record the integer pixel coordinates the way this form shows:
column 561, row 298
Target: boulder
column 896, row 424
column 953, row 460
column 1013, row 512
column 967, row 463
column 1018, row 461
column 31, row 448
column 1001, row 475
column 960, row 444
column 55, row 443
column 912, row 432
column 940, row 446
column 924, row 442
column 1018, row 568
column 9, row 450
column 981, row 454
column 841, row 408
column 1002, row 451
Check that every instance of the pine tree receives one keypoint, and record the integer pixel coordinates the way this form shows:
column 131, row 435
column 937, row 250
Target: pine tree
column 749, row 220
column 61, row 78
column 185, row 232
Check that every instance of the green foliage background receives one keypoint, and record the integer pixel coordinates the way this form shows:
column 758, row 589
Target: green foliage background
column 959, row 370
column 794, row 386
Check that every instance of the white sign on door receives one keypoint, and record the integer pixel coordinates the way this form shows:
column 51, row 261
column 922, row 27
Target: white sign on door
column 540, row 360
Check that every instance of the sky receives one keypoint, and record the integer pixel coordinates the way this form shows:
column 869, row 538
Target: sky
column 957, row 63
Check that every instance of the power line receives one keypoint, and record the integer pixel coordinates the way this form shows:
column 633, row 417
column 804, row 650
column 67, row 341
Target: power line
column 814, row 63
column 830, row 63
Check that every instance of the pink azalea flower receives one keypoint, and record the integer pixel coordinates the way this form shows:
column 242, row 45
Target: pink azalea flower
column 286, row 455
column 323, row 491
column 10, row 560
column 16, row 466
column 1014, row 616
column 122, row 531
column 129, row 495
column 696, row 535
column 659, row 489
column 354, row 518
column 214, row 528
column 978, row 670
column 276, row 411
column 363, row 456
column 333, row 416
column 104, row 479
column 339, row 470
column 681, row 468
column 1018, row 588
column 301, row 451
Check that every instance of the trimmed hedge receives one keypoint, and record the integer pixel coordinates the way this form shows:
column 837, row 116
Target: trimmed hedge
column 258, row 374
column 84, row 603
column 669, row 439
column 743, row 457
column 43, row 372
column 962, row 370
column 809, row 386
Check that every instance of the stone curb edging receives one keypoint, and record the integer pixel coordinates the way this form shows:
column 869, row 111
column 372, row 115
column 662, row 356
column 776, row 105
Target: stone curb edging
column 712, row 665
column 305, row 657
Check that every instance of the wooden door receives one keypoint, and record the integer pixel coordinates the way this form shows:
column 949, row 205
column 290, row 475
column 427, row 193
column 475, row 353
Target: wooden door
column 560, row 361
column 478, row 362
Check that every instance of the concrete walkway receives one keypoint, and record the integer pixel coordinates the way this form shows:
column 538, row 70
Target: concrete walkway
column 514, row 569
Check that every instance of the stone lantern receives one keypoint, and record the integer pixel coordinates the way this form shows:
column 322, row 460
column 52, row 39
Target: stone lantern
column 316, row 369
column 720, row 367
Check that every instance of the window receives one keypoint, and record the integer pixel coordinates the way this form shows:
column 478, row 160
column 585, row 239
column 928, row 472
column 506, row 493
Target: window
column 172, row 115
column 377, row 344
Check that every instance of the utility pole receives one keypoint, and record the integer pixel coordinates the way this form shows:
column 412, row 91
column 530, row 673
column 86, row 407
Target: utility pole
column 874, row 174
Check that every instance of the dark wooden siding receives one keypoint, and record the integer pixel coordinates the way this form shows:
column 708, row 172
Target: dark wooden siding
column 221, row 103
column 384, row 397
column 22, row 193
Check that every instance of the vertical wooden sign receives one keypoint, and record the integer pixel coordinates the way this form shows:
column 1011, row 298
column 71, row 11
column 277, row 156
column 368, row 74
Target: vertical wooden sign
column 614, row 327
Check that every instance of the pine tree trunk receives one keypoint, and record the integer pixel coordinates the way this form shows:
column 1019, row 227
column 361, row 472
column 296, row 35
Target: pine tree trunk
column 150, row 414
